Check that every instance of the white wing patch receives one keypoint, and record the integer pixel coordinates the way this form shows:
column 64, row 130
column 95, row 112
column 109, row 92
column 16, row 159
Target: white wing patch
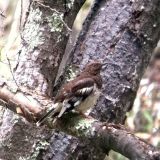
column 89, row 102
column 85, row 90
column 78, row 102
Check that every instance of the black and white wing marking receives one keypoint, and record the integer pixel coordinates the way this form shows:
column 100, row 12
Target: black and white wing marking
column 80, row 91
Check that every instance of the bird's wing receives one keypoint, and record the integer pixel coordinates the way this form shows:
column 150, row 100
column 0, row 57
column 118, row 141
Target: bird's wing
column 79, row 91
column 75, row 87
column 82, row 85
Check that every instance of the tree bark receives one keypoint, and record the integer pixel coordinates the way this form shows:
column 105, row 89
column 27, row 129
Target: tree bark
column 107, row 136
column 101, row 136
column 122, row 33
column 44, row 39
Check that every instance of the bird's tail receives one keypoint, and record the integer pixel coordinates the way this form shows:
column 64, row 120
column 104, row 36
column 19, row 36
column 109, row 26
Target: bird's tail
column 52, row 112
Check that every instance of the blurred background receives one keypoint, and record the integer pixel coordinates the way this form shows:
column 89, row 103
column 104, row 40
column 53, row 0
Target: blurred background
column 143, row 120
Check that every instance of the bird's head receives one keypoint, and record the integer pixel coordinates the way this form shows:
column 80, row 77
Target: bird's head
column 93, row 67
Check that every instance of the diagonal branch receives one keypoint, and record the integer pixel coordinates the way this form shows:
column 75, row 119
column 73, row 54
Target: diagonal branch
column 20, row 104
column 102, row 135
column 108, row 136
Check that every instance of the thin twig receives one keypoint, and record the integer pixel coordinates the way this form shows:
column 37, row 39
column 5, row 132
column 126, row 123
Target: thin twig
column 20, row 21
column 54, row 10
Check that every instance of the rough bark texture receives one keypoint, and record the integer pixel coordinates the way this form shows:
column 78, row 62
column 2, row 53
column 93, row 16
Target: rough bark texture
column 44, row 38
column 98, row 136
column 122, row 33
column 105, row 136
column 20, row 139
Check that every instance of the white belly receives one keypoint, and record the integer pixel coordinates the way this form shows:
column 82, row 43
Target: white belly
column 89, row 102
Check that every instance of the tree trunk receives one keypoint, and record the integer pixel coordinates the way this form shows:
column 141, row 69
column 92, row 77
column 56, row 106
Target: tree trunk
column 44, row 39
column 122, row 33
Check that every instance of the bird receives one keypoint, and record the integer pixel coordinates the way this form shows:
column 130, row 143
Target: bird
column 80, row 94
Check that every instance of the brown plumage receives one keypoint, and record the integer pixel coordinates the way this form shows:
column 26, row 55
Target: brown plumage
column 79, row 94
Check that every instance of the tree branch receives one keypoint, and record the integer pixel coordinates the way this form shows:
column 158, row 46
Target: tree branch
column 102, row 135
column 20, row 104
column 108, row 136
